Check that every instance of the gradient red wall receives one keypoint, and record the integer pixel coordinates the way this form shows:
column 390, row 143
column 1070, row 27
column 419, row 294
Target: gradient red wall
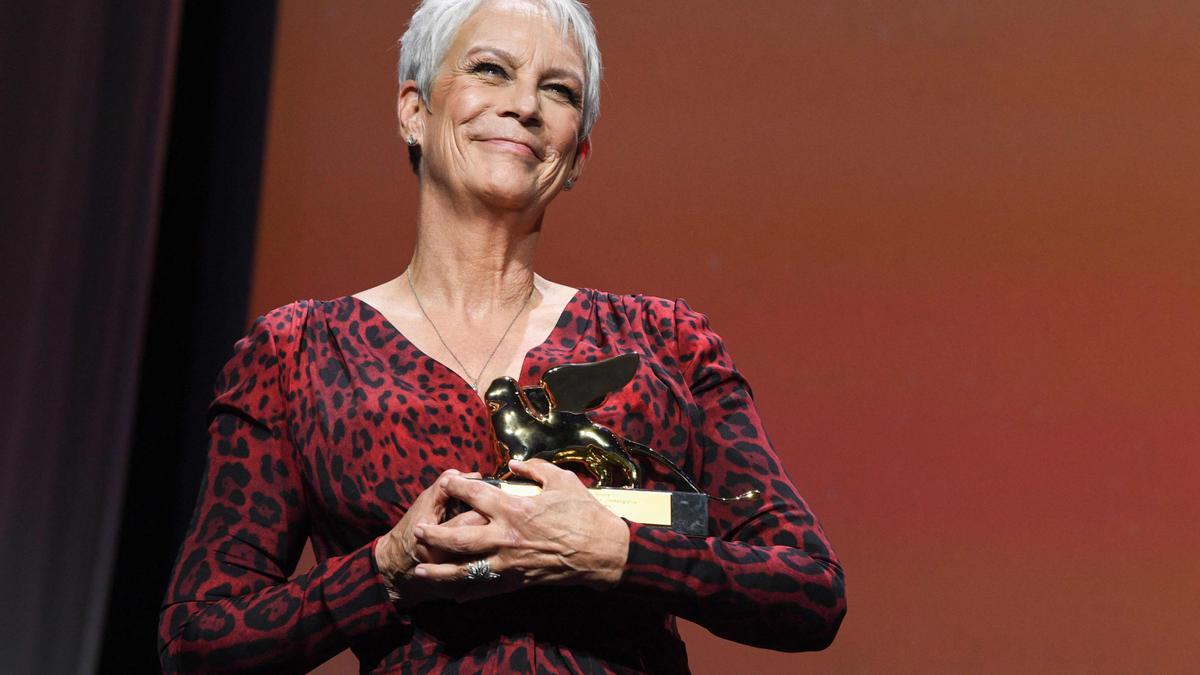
column 953, row 244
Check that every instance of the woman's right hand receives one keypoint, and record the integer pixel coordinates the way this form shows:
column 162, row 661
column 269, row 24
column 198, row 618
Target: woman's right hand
column 398, row 552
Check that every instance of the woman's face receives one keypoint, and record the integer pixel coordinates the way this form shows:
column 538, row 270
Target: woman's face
column 505, row 109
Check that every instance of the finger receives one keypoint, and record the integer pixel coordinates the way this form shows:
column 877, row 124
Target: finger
column 484, row 498
column 545, row 473
column 457, row 574
column 430, row 505
column 434, row 490
column 463, row 540
column 467, row 518
column 447, row 573
column 439, row 572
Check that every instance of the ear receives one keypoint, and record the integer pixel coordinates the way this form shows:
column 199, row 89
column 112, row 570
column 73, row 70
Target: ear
column 583, row 152
column 408, row 108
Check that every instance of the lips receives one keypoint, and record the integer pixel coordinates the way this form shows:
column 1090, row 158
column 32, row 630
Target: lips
column 515, row 145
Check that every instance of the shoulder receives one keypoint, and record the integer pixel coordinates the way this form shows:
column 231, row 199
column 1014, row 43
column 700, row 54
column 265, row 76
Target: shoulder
column 282, row 333
column 656, row 314
column 285, row 319
column 251, row 376
column 668, row 327
column 287, row 322
column 679, row 337
column 281, row 326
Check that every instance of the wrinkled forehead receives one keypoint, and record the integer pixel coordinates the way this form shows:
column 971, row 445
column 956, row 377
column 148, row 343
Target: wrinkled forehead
column 523, row 28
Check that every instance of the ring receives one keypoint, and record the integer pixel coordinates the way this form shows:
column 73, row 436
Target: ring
column 480, row 570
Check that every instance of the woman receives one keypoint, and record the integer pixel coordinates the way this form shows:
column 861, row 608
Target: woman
column 350, row 421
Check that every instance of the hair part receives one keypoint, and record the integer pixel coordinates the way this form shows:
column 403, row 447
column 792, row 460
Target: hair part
column 435, row 24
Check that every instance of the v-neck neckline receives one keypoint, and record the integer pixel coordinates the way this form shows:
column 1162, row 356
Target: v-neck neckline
column 560, row 327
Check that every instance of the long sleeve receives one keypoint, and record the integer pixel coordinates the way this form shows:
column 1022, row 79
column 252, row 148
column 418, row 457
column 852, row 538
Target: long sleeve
column 230, row 605
column 767, row 577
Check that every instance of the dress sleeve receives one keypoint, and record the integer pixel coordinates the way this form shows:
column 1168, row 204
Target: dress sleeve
column 768, row 576
column 230, row 605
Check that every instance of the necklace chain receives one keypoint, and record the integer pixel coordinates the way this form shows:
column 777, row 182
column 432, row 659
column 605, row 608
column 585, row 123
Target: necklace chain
column 474, row 382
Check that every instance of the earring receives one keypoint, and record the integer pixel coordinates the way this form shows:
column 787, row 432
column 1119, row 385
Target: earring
column 569, row 183
column 411, row 141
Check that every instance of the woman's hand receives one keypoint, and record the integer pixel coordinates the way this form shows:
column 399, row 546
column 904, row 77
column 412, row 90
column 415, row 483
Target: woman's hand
column 398, row 552
column 561, row 536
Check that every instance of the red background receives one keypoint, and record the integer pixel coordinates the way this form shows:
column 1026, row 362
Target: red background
column 953, row 245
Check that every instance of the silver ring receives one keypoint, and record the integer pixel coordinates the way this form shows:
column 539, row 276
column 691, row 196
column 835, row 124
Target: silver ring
column 480, row 570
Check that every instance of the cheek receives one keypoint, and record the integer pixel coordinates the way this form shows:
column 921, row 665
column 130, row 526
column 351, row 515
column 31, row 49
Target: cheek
column 466, row 104
column 564, row 151
column 566, row 132
column 450, row 121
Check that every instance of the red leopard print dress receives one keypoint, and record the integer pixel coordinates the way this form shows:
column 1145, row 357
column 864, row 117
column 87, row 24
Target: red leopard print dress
column 328, row 423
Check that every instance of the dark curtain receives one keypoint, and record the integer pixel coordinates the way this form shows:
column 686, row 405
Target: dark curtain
column 86, row 88
column 115, row 325
column 198, row 303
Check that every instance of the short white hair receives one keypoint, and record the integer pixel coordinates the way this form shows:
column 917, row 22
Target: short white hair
column 435, row 23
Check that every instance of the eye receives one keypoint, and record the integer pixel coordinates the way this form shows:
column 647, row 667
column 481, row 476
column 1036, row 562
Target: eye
column 566, row 93
column 490, row 69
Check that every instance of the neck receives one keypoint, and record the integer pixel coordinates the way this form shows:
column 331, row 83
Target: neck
column 473, row 261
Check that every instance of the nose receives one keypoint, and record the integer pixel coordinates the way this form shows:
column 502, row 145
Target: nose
column 523, row 104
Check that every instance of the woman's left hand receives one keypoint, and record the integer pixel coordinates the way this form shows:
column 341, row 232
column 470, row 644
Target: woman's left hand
column 560, row 536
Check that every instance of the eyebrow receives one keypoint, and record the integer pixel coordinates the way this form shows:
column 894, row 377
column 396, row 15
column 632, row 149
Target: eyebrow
column 508, row 56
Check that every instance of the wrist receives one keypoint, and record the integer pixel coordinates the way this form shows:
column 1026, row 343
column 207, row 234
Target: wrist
column 392, row 566
column 613, row 554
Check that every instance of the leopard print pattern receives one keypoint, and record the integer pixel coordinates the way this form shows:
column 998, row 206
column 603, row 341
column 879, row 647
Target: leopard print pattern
column 327, row 424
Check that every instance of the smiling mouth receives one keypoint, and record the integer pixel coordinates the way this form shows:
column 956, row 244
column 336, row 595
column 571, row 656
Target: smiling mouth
column 512, row 146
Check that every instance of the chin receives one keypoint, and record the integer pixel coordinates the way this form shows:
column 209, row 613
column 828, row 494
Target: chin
column 508, row 192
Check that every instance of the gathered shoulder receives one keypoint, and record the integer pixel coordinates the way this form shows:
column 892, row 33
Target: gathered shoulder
column 658, row 315
column 275, row 335
column 286, row 320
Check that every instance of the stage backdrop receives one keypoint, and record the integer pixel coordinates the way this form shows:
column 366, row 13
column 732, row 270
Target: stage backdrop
column 953, row 245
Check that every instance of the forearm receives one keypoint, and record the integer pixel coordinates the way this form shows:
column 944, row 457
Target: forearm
column 292, row 625
column 777, row 597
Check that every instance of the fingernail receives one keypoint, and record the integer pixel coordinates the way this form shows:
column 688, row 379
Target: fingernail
column 419, row 532
column 514, row 461
column 420, row 571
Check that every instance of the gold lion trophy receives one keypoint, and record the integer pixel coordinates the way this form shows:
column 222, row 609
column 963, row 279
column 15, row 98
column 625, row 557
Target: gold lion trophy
column 549, row 421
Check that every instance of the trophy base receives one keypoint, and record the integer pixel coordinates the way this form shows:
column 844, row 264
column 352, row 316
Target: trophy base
column 683, row 512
